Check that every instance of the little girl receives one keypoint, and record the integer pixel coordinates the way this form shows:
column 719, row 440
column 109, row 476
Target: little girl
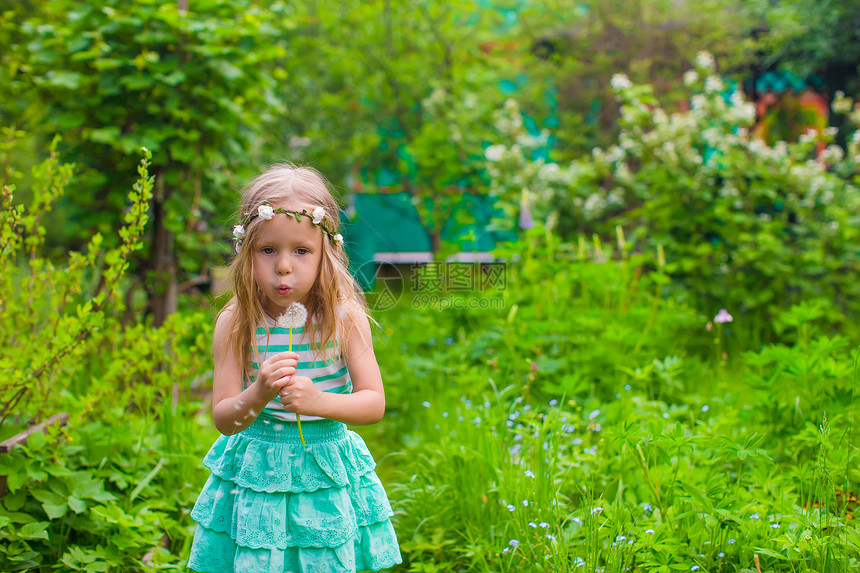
column 292, row 490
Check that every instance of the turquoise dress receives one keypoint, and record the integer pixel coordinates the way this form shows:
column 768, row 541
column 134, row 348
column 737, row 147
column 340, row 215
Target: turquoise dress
column 273, row 505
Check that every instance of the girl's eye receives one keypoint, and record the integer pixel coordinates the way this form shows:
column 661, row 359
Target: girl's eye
column 267, row 250
column 302, row 251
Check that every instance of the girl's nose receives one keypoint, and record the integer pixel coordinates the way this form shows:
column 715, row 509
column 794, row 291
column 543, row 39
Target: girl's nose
column 284, row 266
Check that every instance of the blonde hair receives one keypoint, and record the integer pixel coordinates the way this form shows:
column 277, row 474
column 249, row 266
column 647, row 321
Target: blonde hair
column 335, row 292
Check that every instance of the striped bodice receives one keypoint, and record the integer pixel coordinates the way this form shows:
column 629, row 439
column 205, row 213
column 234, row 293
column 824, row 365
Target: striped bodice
column 327, row 369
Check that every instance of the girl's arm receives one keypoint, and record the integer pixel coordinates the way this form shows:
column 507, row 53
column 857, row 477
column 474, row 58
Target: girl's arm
column 366, row 404
column 234, row 409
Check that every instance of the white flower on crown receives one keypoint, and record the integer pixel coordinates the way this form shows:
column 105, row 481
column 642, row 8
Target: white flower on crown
column 338, row 239
column 319, row 215
column 238, row 232
column 266, row 212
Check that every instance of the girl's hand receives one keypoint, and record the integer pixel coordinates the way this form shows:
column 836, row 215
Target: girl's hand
column 276, row 372
column 299, row 394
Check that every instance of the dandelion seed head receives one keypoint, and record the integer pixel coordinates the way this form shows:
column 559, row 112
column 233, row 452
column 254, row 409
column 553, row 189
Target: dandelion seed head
column 294, row 317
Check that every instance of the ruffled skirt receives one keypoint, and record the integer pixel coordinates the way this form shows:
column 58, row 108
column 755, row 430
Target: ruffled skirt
column 272, row 505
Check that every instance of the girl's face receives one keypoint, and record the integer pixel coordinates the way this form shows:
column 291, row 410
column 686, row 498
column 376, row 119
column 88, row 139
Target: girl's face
column 287, row 255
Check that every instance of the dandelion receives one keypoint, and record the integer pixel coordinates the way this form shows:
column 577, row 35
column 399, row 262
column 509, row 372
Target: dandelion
column 295, row 316
column 723, row 316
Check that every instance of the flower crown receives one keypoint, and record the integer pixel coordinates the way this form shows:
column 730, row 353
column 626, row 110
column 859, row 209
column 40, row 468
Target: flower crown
column 266, row 212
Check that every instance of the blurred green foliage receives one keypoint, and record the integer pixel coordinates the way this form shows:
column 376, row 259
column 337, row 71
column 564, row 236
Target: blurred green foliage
column 196, row 88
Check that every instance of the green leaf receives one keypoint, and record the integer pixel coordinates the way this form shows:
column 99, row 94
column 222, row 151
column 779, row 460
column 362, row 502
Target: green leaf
column 35, row 530
column 55, row 511
column 107, row 135
column 148, row 478
column 173, row 78
column 77, row 505
column 54, row 505
column 63, row 79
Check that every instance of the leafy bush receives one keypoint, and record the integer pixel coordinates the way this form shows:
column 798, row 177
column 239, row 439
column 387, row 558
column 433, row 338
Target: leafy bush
column 744, row 225
column 110, row 492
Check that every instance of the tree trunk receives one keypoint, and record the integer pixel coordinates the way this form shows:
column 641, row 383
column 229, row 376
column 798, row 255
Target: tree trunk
column 435, row 240
column 164, row 288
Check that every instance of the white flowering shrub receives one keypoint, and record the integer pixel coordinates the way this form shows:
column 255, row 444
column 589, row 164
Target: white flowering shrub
column 743, row 224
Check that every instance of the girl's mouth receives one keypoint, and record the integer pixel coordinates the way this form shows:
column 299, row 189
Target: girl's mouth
column 284, row 290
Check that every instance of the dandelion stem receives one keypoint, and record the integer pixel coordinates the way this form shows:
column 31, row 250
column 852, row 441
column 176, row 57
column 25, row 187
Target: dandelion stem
column 298, row 418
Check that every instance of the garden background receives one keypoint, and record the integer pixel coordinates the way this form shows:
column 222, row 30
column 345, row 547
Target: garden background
column 657, row 374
